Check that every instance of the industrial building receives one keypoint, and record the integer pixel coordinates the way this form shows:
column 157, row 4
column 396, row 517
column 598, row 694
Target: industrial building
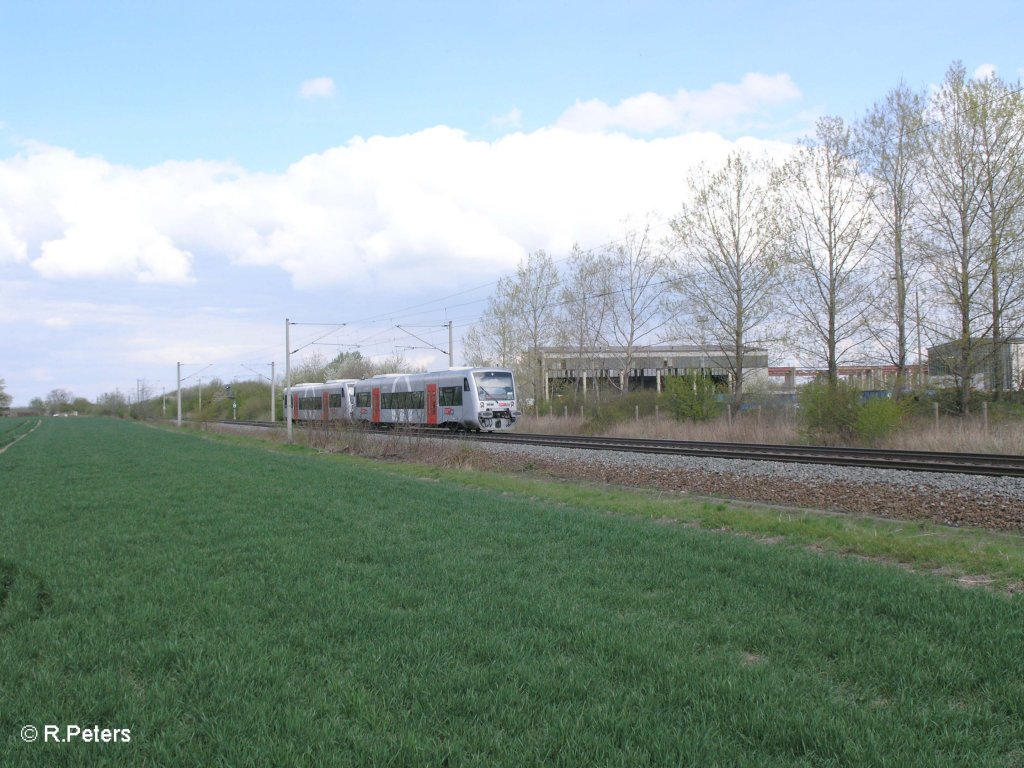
column 581, row 370
column 946, row 364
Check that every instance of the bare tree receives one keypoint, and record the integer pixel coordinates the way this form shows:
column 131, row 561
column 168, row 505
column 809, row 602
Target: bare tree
column 314, row 367
column 955, row 252
column 536, row 288
column 583, row 308
column 999, row 113
column 58, row 401
column 730, row 241
column 349, row 365
column 518, row 322
column 396, row 362
column 831, row 233
column 496, row 339
column 111, row 404
column 890, row 145
column 637, row 307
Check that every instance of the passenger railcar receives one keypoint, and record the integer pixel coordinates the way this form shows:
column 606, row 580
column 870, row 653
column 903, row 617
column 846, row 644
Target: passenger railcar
column 328, row 402
column 477, row 399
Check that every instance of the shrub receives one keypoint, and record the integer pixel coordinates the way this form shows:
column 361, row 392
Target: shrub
column 877, row 419
column 617, row 409
column 692, row 397
column 828, row 414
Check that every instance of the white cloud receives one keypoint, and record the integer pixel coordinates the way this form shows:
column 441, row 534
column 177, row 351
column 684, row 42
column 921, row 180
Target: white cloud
column 373, row 210
column 511, row 119
column 985, row 71
column 82, row 217
column 317, row 88
column 357, row 228
column 723, row 106
column 13, row 249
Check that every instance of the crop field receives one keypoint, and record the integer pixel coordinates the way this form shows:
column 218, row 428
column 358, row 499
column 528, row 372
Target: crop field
column 220, row 603
column 12, row 430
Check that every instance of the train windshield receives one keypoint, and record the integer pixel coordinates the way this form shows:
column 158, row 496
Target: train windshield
column 495, row 385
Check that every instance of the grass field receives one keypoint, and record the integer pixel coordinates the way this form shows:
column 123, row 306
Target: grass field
column 11, row 430
column 237, row 605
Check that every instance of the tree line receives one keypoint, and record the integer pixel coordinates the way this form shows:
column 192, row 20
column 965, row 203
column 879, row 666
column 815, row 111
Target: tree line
column 902, row 228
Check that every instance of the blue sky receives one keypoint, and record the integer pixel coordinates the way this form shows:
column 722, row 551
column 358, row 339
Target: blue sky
column 177, row 178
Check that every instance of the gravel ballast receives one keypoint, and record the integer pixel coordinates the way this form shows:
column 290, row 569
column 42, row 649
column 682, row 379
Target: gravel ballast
column 950, row 499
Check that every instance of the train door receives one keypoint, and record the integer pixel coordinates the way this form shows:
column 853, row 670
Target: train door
column 295, row 405
column 375, row 405
column 326, row 397
column 432, row 404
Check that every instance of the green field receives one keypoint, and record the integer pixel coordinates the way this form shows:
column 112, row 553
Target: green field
column 237, row 605
column 11, row 430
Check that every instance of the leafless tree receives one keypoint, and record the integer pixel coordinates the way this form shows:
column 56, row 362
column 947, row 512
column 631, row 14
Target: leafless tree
column 637, row 307
column 729, row 243
column 583, row 308
column 58, row 401
column 537, row 287
column 396, row 362
column 831, row 231
column 496, row 339
column 349, row 365
column 890, row 146
column 998, row 111
column 518, row 322
column 955, row 249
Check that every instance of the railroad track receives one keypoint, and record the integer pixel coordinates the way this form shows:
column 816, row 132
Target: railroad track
column 997, row 465
column 921, row 461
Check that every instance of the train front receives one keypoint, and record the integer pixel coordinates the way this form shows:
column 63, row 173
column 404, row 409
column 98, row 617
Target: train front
column 496, row 394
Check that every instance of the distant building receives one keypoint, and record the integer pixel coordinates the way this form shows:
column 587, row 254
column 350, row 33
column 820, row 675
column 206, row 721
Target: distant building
column 567, row 368
column 865, row 377
column 947, row 366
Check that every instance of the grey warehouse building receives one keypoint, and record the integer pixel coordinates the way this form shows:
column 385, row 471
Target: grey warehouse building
column 946, row 363
column 570, row 368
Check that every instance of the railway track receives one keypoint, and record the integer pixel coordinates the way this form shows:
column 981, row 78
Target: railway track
column 997, row 465
column 920, row 461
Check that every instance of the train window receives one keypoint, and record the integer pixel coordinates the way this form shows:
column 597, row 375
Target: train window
column 495, row 385
column 362, row 399
column 465, row 385
column 403, row 401
column 449, row 396
column 310, row 404
column 335, row 401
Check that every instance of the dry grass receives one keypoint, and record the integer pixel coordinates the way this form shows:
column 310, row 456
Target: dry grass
column 551, row 425
column 967, row 435
column 391, row 444
column 749, row 428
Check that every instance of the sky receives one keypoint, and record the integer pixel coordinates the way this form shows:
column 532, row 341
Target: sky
column 178, row 178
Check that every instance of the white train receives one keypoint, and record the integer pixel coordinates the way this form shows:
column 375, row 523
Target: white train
column 331, row 401
column 477, row 399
